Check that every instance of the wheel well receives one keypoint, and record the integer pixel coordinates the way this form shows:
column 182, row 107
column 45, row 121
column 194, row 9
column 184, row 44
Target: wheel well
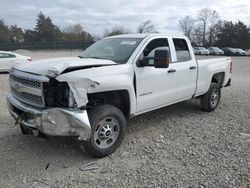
column 218, row 78
column 117, row 98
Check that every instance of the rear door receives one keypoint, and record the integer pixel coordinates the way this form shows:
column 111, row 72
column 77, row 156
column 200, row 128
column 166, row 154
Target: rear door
column 186, row 70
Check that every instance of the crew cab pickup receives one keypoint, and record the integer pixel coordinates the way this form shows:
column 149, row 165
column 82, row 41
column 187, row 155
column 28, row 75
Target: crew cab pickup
column 91, row 96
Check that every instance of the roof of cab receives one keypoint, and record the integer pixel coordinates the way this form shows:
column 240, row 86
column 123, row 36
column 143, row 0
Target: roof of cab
column 144, row 35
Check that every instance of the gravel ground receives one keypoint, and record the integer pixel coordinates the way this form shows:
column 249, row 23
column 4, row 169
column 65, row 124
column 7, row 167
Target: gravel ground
column 176, row 146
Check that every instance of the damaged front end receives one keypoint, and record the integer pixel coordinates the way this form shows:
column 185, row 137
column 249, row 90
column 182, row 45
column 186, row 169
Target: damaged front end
column 62, row 104
column 51, row 121
column 58, row 94
column 69, row 92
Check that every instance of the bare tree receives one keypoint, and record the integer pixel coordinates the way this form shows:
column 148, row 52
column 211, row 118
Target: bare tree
column 117, row 30
column 74, row 29
column 76, row 33
column 204, row 15
column 186, row 24
column 214, row 24
column 197, row 36
column 146, row 27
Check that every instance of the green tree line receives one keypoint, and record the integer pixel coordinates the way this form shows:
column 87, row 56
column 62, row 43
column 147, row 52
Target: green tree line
column 206, row 29
column 44, row 31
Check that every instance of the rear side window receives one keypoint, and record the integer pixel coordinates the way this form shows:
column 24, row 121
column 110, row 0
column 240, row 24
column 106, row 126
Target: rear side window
column 182, row 51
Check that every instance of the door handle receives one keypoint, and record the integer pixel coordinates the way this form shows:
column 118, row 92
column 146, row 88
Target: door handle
column 192, row 67
column 171, row 71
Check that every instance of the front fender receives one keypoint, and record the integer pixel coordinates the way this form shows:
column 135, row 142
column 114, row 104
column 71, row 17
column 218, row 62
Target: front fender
column 101, row 79
column 113, row 83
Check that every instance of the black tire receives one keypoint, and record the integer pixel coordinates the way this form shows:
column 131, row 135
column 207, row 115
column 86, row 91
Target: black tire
column 211, row 100
column 25, row 130
column 99, row 117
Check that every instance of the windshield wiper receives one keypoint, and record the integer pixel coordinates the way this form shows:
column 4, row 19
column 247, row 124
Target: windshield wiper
column 95, row 57
column 91, row 57
column 98, row 58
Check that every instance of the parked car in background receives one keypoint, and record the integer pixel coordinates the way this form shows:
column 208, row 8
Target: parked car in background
column 215, row 51
column 9, row 59
column 247, row 52
column 200, row 51
column 229, row 51
column 240, row 52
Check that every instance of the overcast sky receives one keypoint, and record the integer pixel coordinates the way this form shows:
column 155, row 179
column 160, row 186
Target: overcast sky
column 95, row 16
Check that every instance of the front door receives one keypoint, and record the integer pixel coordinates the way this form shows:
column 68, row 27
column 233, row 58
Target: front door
column 155, row 87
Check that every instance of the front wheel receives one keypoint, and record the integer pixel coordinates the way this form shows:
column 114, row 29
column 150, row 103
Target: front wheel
column 108, row 126
column 211, row 100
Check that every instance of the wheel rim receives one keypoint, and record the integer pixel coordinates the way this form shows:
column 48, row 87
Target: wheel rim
column 215, row 97
column 106, row 133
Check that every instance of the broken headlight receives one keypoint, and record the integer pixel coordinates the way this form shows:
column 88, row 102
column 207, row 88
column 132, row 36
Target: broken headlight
column 58, row 94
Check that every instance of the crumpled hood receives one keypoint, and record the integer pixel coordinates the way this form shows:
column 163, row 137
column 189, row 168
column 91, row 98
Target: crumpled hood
column 58, row 65
column 81, row 74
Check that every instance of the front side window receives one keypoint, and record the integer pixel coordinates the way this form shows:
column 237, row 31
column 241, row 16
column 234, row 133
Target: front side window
column 118, row 50
column 156, row 44
column 182, row 50
column 12, row 56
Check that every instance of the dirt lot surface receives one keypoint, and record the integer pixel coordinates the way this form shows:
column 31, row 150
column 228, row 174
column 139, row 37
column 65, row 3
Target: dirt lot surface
column 177, row 146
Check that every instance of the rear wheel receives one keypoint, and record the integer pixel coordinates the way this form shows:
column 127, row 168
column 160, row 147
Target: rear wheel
column 108, row 129
column 211, row 100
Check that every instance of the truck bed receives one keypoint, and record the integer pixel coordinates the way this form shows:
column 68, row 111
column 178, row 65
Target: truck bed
column 207, row 68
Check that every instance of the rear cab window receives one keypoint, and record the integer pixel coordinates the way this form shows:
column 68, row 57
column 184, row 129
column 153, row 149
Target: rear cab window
column 182, row 50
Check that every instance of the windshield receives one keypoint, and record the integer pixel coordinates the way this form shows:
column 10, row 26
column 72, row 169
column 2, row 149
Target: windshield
column 118, row 50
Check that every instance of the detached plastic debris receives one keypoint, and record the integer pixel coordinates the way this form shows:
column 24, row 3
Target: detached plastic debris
column 89, row 167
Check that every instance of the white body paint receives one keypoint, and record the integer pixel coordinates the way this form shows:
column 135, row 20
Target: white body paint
column 149, row 88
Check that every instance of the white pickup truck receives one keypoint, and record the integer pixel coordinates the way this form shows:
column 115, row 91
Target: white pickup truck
column 91, row 96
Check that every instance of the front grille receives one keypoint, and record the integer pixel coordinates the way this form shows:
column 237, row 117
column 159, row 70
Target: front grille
column 27, row 88
column 26, row 82
column 28, row 98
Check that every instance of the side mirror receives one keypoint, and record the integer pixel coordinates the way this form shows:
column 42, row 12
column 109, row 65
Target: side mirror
column 142, row 62
column 161, row 59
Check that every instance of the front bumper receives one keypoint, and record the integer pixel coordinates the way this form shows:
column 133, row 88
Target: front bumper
column 51, row 121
